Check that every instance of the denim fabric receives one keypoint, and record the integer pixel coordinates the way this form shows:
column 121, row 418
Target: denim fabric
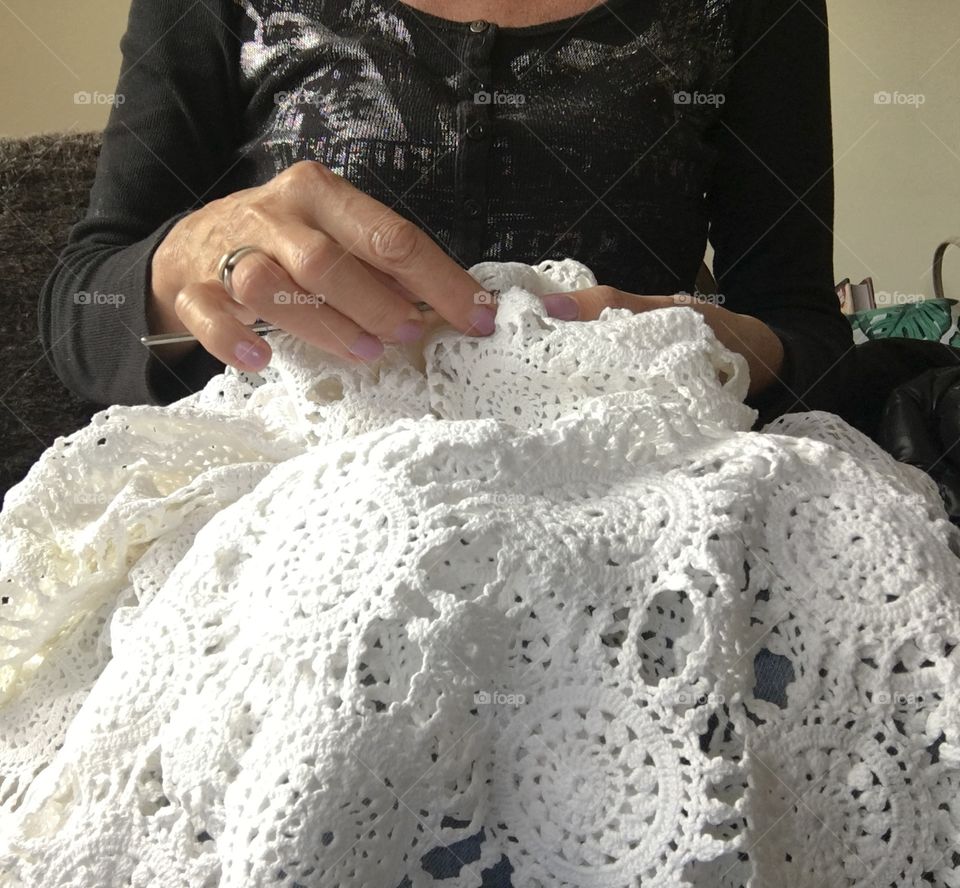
column 773, row 673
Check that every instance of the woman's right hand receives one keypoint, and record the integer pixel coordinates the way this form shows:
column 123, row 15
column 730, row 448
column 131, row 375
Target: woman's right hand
column 339, row 270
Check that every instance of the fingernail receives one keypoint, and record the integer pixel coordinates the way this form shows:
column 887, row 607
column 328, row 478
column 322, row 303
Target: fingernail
column 255, row 355
column 410, row 331
column 561, row 306
column 367, row 347
column 482, row 321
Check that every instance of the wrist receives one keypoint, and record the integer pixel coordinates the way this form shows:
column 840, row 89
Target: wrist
column 765, row 354
column 165, row 276
column 164, row 284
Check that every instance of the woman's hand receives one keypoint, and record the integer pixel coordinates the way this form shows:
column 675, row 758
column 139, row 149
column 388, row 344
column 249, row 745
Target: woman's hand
column 740, row 333
column 342, row 271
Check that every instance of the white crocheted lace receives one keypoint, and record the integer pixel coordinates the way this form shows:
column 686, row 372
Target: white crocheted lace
column 301, row 628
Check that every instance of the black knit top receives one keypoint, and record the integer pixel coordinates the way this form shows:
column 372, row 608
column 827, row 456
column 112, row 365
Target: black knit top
column 620, row 137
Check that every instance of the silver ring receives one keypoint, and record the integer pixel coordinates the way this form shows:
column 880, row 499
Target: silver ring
column 228, row 262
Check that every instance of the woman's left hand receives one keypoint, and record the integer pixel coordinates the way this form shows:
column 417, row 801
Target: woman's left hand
column 740, row 333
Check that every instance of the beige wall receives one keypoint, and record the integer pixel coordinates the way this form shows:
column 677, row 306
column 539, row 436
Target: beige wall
column 898, row 166
column 49, row 51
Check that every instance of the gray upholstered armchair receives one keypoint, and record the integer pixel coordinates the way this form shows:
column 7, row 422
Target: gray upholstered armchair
column 44, row 186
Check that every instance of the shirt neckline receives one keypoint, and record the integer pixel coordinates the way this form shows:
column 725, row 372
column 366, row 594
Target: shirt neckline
column 431, row 20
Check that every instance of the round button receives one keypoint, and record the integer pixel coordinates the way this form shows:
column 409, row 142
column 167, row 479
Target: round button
column 472, row 207
column 476, row 130
column 478, row 26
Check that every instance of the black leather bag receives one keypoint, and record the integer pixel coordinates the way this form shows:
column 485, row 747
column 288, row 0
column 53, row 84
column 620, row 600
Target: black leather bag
column 920, row 425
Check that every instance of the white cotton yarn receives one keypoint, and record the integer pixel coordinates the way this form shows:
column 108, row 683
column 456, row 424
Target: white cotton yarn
column 298, row 629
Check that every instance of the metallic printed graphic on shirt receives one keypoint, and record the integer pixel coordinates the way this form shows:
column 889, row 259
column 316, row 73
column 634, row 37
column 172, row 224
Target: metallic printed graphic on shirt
column 594, row 153
column 332, row 81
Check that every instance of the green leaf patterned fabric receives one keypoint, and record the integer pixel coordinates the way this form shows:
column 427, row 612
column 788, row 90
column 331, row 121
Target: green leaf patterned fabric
column 930, row 319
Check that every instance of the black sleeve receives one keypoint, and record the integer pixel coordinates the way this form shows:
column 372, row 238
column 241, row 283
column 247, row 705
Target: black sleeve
column 771, row 199
column 168, row 145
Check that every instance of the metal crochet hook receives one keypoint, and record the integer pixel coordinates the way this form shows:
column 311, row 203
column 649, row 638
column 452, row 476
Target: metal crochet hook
column 259, row 328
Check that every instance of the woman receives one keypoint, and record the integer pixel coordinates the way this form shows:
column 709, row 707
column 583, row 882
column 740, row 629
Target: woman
column 372, row 150
column 510, row 620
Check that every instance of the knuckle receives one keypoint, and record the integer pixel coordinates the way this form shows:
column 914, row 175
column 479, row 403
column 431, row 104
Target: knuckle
column 610, row 296
column 306, row 174
column 256, row 216
column 251, row 279
column 188, row 308
column 395, row 240
column 313, row 260
column 205, row 329
column 379, row 316
column 183, row 304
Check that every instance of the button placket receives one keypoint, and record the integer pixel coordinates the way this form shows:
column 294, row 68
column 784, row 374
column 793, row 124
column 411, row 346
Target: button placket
column 475, row 126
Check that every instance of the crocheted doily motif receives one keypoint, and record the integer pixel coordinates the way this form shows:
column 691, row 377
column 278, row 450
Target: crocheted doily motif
column 301, row 628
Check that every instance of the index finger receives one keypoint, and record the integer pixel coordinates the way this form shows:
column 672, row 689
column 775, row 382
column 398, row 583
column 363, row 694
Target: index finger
column 378, row 235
